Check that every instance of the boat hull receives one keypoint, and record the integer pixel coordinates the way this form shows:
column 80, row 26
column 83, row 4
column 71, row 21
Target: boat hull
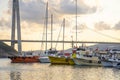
column 84, row 62
column 61, row 60
column 111, row 63
column 117, row 66
column 24, row 59
column 107, row 63
column 44, row 60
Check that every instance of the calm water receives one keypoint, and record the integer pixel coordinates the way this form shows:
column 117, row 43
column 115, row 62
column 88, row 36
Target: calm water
column 38, row 71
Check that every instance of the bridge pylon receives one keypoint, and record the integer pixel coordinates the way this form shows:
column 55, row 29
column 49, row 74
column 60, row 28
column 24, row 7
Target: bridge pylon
column 16, row 23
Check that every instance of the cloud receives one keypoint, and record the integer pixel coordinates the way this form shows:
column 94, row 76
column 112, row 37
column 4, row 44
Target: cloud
column 101, row 26
column 34, row 10
column 69, row 7
column 5, row 20
column 117, row 26
column 4, row 23
column 80, row 28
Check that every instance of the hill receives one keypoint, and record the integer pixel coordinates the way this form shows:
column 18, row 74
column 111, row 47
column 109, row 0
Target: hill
column 99, row 46
column 105, row 46
column 6, row 50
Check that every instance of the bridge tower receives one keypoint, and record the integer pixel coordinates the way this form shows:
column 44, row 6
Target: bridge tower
column 16, row 23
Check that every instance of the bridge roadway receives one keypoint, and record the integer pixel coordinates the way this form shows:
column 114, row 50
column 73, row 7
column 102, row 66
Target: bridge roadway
column 62, row 41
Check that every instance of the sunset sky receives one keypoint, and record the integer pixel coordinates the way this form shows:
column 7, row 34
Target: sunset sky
column 98, row 20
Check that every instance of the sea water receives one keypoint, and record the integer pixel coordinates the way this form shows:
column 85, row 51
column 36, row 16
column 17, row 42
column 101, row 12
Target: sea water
column 46, row 71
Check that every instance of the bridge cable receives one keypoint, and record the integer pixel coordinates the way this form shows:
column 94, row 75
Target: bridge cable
column 58, row 36
column 105, row 34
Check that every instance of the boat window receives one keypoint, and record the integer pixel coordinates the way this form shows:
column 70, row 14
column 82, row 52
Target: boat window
column 114, row 50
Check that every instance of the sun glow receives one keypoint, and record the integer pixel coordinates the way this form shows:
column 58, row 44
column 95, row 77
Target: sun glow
column 106, row 11
column 91, row 3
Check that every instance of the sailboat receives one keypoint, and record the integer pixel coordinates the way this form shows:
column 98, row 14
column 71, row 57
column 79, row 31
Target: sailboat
column 44, row 57
column 51, row 52
column 60, row 58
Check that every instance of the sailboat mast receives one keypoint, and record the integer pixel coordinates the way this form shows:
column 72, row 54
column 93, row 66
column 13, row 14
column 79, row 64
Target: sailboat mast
column 76, row 23
column 51, row 29
column 46, row 23
column 63, row 33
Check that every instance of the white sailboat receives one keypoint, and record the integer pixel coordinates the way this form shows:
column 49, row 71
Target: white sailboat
column 44, row 56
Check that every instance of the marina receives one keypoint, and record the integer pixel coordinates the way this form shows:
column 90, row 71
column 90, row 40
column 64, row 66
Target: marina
column 79, row 56
column 74, row 42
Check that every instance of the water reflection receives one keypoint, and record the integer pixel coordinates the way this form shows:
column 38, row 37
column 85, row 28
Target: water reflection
column 116, row 74
column 38, row 71
column 15, row 75
column 64, row 72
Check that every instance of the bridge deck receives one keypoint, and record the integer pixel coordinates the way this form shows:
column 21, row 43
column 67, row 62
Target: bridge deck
column 62, row 41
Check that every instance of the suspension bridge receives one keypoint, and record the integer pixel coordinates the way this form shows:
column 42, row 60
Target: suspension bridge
column 16, row 22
